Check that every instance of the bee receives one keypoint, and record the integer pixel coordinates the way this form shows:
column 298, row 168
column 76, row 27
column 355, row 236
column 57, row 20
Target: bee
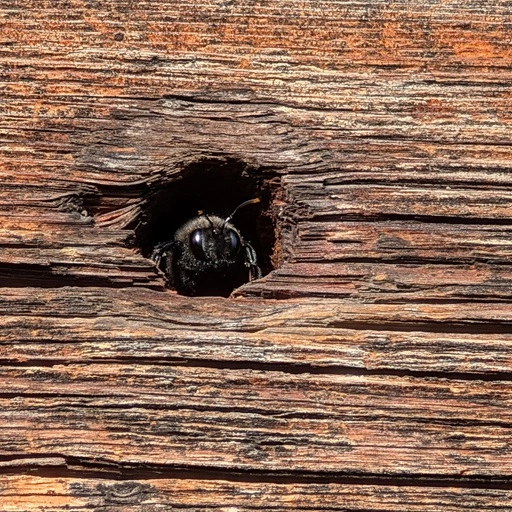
column 207, row 256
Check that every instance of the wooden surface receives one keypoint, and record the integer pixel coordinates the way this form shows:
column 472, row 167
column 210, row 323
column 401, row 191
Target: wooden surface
column 369, row 372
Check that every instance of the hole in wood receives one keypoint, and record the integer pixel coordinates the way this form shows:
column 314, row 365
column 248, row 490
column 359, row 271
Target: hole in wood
column 215, row 187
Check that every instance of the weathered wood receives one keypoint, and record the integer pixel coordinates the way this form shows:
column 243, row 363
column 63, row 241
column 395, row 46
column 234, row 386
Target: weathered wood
column 64, row 325
column 371, row 370
column 252, row 420
column 81, row 494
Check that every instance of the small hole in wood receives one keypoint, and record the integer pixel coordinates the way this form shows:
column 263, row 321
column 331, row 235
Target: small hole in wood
column 217, row 187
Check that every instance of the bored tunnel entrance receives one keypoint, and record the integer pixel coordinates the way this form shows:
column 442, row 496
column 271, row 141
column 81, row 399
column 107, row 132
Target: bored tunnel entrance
column 215, row 187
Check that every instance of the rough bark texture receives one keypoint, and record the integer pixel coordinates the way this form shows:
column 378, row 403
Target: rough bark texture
column 371, row 370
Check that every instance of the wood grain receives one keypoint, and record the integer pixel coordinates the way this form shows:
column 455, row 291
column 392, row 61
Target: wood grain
column 271, row 422
column 371, row 370
column 30, row 493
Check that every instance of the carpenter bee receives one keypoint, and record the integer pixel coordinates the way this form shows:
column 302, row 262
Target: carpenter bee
column 207, row 256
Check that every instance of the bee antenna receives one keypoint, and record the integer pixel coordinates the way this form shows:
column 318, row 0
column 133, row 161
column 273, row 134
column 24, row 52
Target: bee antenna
column 201, row 213
column 245, row 203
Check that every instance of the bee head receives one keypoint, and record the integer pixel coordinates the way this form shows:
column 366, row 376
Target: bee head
column 212, row 239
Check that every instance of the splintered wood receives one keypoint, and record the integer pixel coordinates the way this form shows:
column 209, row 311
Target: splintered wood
column 371, row 370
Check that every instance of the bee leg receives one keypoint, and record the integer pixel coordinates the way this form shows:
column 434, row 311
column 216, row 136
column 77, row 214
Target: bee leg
column 251, row 261
column 160, row 250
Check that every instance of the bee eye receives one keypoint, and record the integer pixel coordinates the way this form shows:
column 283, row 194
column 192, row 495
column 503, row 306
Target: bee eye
column 233, row 241
column 196, row 244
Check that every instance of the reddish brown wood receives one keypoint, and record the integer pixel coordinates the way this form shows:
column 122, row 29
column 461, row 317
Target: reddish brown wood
column 81, row 494
column 371, row 370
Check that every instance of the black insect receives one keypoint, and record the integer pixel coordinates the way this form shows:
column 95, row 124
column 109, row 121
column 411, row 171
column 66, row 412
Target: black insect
column 207, row 256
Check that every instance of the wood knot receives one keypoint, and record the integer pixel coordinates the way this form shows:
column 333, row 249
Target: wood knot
column 125, row 492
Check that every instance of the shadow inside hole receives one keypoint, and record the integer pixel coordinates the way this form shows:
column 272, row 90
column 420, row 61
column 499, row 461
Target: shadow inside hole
column 215, row 187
